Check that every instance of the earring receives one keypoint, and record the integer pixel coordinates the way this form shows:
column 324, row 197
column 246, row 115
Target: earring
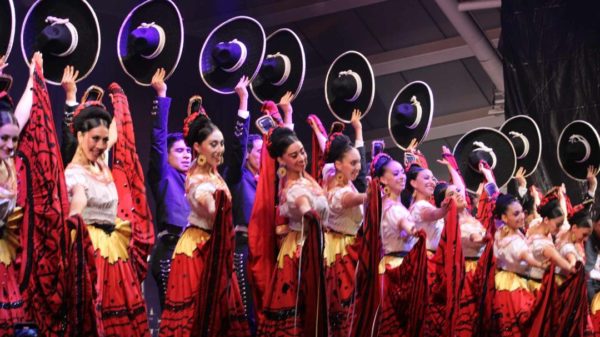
column 281, row 172
column 201, row 160
column 572, row 237
column 339, row 178
column 386, row 191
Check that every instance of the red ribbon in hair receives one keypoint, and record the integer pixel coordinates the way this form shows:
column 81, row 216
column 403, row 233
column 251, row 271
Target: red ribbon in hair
column 82, row 106
column 187, row 122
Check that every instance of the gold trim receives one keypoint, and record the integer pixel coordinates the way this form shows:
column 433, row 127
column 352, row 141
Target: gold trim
column 389, row 262
column 335, row 244
column 190, row 239
column 470, row 266
column 595, row 306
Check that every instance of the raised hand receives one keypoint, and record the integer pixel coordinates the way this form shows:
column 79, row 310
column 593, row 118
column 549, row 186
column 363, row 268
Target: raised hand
column 487, row 172
column 286, row 102
column 520, row 177
column 355, row 119
column 37, row 59
column 592, row 181
column 3, row 63
column 68, row 83
column 158, row 82
column 241, row 88
column 445, row 152
column 412, row 147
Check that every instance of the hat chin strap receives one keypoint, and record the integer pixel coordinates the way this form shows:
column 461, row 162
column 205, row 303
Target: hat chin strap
column 480, row 146
column 417, row 105
column 358, row 84
column 525, row 141
column 287, row 68
column 161, row 41
column 52, row 20
column 240, row 62
column 588, row 149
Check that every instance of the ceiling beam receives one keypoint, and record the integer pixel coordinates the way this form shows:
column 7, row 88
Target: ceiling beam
column 283, row 13
column 475, row 5
column 447, row 126
column 419, row 56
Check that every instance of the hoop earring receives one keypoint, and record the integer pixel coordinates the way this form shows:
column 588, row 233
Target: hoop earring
column 339, row 178
column 201, row 160
column 281, row 172
column 573, row 237
column 386, row 191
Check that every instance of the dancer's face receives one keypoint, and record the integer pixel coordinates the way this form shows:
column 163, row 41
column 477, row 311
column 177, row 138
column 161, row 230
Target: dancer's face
column 424, row 183
column 394, row 177
column 514, row 217
column 212, row 148
column 294, row 157
column 180, row 156
column 457, row 194
column 9, row 137
column 349, row 166
column 93, row 143
column 253, row 159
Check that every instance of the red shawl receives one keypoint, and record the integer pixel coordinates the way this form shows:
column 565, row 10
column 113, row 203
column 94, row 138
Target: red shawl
column 317, row 160
column 261, row 230
column 217, row 312
column 542, row 315
column 129, row 178
column 43, row 195
column 368, row 290
column 449, row 270
column 572, row 305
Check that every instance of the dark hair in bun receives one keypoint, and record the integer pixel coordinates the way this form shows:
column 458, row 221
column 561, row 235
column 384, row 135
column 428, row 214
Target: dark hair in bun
column 280, row 139
column 91, row 117
column 411, row 174
column 551, row 210
column 198, row 129
column 502, row 203
column 379, row 164
column 337, row 146
column 7, row 110
column 581, row 219
column 439, row 193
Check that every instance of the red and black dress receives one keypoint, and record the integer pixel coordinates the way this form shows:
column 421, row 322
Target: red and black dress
column 203, row 297
column 340, row 254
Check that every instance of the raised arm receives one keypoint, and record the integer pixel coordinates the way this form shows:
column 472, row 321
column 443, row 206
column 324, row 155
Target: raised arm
column 318, row 130
column 361, row 180
column 23, row 109
column 159, row 152
column 450, row 163
column 238, row 149
column 286, row 106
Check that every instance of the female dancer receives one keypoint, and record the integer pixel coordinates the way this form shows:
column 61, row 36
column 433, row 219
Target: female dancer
column 345, row 217
column 513, row 300
column 203, row 297
column 293, row 304
column 403, row 267
column 121, row 247
column 12, row 121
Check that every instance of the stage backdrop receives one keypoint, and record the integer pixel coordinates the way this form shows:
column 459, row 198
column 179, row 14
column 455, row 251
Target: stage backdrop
column 551, row 52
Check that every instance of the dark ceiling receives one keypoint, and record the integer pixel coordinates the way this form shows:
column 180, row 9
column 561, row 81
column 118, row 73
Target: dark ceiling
column 406, row 40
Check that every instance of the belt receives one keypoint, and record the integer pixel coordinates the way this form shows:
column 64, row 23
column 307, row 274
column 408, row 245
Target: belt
column 106, row 228
column 527, row 277
column 241, row 228
column 170, row 230
column 397, row 254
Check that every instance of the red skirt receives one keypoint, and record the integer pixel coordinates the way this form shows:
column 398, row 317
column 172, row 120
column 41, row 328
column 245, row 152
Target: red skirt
column 340, row 256
column 595, row 314
column 11, row 301
column 180, row 313
column 391, row 323
column 512, row 304
column 435, row 314
column 469, row 302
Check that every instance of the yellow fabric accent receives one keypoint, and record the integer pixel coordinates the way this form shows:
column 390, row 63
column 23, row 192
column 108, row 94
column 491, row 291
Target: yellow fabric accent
column 10, row 241
column 335, row 244
column 113, row 246
column 506, row 280
column 534, row 285
column 559, row 279
column 470, row 266
column 291, row 246
column 595, row 304
column 190, row 239
column 389, row 262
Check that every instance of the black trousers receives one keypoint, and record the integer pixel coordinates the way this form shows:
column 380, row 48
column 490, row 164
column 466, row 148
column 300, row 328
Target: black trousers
column 240, row 261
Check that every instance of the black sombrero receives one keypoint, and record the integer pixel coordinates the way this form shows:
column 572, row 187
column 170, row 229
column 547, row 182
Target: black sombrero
column 7, row 24
column 410, row 114
column 489, row 145
column 151, row 37
column 282, row 69
column 349, row 85
column 578, row 147
column 234, row 49
column 526, row 138
column 66, row 32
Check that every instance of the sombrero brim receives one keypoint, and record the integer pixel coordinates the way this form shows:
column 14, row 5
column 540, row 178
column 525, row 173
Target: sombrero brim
column 339, row 107
column 7, row 32
column 399, row 131
column 83, row 17
column 578, row 170
column 165, row 14
column 529, row 128
column 286, row 42
column 248, row 31
column 503, row 148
